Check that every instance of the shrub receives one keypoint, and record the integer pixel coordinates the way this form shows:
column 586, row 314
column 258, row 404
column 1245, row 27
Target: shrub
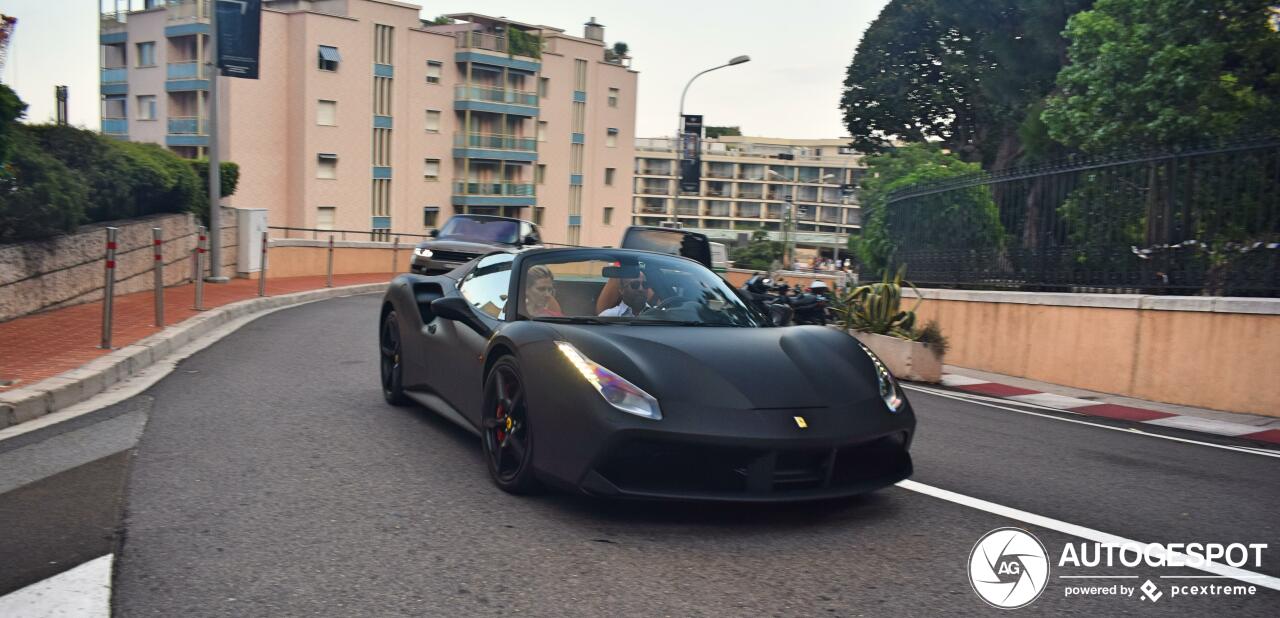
column 39, row 196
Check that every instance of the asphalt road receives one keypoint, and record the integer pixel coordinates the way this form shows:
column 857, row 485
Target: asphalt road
column 272, row 480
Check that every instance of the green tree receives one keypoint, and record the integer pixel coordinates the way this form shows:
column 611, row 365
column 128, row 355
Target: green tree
column 968, row 73
column 714, row 132
column 1154, row 73
column 759, row 253
column 11, row 109
column 958, row 219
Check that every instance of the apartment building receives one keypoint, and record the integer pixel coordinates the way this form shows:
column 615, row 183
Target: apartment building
column 746, row 184
column 366, row 117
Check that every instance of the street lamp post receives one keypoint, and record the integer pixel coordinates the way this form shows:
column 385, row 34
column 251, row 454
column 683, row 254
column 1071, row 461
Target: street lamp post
column 680, row 118
column 788, row 220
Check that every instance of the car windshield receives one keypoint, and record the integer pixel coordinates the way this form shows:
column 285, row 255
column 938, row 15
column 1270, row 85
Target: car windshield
column 628, row 287
column 480, row 229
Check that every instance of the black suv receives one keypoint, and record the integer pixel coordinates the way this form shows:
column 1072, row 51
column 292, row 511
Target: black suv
column 466, row 237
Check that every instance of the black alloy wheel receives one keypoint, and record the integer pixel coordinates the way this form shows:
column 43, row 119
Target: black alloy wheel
column 507, row 435
column 392, row 369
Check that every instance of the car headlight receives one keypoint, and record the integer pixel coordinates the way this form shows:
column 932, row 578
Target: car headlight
column 889, row 392
column 615, row 389
column 422, row 252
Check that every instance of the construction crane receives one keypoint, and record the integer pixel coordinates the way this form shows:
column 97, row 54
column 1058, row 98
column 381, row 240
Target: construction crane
column 7, row 24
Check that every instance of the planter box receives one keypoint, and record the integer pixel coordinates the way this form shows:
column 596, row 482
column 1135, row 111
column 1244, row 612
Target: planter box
column 907, row 360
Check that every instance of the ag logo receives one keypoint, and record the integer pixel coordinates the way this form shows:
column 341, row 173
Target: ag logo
column 1008, row 568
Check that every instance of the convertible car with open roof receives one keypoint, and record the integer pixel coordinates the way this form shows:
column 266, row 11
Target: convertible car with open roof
column 634, row 374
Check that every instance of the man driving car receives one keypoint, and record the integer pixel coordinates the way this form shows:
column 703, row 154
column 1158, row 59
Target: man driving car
column 635, row 298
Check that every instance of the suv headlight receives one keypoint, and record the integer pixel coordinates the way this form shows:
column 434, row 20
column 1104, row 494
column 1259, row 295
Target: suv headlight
column 422, row 252
column 889, row 392
column 615, row 389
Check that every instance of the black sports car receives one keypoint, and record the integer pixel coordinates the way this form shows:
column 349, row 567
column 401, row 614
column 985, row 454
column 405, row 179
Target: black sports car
column 619, row 372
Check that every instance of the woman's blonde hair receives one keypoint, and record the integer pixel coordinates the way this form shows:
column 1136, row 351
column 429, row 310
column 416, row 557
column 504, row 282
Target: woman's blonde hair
column 536, row 273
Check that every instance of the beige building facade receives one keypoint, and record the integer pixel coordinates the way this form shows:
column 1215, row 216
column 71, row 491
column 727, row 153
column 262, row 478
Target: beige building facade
column 366, row 117
column 746, row 184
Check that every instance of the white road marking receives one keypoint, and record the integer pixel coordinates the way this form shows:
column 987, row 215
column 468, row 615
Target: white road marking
column 1129, row 430
column 1217, row 568
column 1051, row 400
column 1206, row 425
column 82, row 592
column 952, row 379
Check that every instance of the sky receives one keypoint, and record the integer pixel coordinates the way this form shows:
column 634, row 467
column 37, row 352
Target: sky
column 791, row 88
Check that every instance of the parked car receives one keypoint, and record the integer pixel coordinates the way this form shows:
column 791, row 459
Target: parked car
column 686, row 393
column 466, row 237
column 672, row 241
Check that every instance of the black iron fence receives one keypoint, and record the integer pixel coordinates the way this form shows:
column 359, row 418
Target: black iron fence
column 1198, row 221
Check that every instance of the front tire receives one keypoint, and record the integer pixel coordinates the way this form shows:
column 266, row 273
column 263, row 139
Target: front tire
column 508, row 437
column 391, row 360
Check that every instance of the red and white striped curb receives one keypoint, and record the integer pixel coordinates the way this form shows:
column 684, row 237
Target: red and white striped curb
column 1110, row 410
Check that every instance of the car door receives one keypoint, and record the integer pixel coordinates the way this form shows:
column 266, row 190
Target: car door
column 460, row 362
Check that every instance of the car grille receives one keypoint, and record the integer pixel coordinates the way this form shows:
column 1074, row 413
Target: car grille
column 657, row 466
column 452, row 256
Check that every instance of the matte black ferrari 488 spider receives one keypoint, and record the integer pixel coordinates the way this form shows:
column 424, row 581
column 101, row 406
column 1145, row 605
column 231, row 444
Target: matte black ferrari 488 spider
column 618, row 372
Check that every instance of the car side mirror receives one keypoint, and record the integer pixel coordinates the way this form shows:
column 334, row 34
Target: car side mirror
column 530, row 240
column 434, row 233
column 456, row 309
column 780, row 315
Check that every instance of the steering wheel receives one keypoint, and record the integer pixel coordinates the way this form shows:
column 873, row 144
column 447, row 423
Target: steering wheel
column 667, row 305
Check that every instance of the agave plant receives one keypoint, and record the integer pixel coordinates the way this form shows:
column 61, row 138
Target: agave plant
column 876, row 308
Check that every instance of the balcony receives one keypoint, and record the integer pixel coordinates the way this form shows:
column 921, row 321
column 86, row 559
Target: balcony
column 189, row 69
column 687, row 207
column 115, row 125
column 662, row 189
column 650, row 206
column 751, row 192
column 495, row 100
column 189, row 10
column 655, row 171
column 717, row 171
column 115, row 75
column 492, row 188
column 495, row 141
column 186, row 131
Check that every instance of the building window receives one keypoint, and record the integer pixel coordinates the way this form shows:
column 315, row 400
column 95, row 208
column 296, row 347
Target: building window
column 433, row 71
column 613, row 97
column 608, row 215
column 327, row 113
column 608, row 176
column 326, row 165
column 324, row 217
column 147, row 54
column 329, row 58
column 544, row 86
column 431, row 169
column 382, row 95
column 113, row 107
column 580, row 75
column 542, row 130
column 147, row 107
column 430, row 216
column 540, row 173
column 433, row 121
column 611, row 139
column 537, row 214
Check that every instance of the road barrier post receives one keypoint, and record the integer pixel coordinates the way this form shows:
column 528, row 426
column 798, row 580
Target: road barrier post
column 329, row 278
column 201, row 238
column 157, row 248
column 109, row 287
column 262, row 271
column 395, row 250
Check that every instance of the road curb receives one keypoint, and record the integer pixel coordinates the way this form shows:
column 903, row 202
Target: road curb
column 71, row 387
column 1086, row 407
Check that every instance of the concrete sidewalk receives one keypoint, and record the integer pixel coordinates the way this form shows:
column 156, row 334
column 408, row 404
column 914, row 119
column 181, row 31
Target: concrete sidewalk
column 1092, row 403
column 50, row 360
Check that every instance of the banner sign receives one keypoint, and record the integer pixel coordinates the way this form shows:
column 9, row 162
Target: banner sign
column 239, row 30
column 691, row 154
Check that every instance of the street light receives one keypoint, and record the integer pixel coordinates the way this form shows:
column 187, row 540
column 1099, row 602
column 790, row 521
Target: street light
column 680, row 119
column 788, row 221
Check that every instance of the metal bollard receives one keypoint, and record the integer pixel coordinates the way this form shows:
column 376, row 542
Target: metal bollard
column 329, row 281
column 395, row 250
column 200, row 248
column 109, row 287
column 262, row 270
column 157, row 244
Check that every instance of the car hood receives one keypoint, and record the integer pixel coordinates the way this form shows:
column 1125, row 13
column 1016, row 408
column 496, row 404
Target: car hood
column 464, row 246
column 743, row 368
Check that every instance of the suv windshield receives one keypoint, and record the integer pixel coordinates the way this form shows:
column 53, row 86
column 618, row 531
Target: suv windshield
column 481, row 229
column 619, row 286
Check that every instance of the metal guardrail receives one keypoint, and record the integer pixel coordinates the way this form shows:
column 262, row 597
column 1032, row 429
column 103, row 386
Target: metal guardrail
column 491, row 94
column 314, row 233
column 510, row 189
column 494, row 141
